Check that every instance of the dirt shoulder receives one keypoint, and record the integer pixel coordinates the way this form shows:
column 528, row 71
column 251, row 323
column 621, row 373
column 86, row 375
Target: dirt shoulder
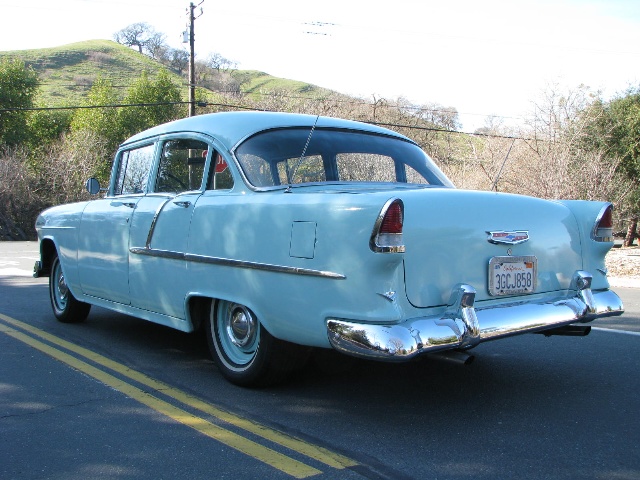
column 624, row 267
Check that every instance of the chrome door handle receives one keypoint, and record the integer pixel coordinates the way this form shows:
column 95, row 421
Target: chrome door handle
column 185, row 204
column 129, row 204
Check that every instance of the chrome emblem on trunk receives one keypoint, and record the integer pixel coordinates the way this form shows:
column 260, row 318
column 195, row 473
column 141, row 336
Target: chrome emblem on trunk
column 508, row 237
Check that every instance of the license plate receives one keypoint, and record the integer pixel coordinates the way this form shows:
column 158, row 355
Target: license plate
column 512, row 275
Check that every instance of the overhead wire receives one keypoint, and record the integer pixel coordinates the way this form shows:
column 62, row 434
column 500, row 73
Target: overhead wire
column 344, row 101
column 245, row 107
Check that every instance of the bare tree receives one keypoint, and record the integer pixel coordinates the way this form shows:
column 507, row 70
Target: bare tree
column 27, row 189
column 17, row 209
column 155, row 45
column 220, row 63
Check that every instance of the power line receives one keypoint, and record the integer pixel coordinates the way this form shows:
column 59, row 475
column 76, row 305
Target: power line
column 444, row 130
column 415, row 108
column 77, row 85
column 344, row 101
column 89, row 107
column 245, row 107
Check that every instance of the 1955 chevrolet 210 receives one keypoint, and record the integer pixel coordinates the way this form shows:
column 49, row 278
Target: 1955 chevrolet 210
column 279, row 232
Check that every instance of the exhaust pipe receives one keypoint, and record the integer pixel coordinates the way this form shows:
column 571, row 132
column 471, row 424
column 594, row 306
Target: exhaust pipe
column 568, row 331
column 454, row 356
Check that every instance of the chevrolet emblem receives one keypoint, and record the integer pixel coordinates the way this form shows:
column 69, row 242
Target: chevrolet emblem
column 508, row 237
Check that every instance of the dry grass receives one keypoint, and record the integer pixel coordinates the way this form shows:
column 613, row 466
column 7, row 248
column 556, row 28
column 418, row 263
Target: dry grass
column 624, row 262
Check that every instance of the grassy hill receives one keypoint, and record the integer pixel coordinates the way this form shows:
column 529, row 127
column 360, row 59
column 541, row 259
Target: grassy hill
column 260, row 81
column 67, row 72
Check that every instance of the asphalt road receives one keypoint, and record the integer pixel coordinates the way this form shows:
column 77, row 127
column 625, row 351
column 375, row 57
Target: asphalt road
column 119, row 398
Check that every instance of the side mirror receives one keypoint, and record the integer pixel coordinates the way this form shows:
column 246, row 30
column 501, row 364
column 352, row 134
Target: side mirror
column 93, row 186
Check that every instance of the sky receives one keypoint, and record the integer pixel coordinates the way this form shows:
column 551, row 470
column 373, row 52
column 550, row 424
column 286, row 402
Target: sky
column 484, row 58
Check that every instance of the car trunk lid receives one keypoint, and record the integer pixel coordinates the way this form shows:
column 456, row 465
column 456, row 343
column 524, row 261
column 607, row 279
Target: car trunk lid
column 448, row 241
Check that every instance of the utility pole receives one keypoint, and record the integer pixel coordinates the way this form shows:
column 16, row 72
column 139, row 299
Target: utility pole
column 192, row 57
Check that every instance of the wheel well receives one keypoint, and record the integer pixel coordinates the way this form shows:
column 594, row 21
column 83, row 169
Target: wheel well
column 199, row 311
column 198, row 308
column 47, row 251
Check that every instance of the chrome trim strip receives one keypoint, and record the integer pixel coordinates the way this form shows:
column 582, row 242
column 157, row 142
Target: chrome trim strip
column 153, row 222
column 463, row 326
column 190, row 257
column 391, row 296
column 154, row 252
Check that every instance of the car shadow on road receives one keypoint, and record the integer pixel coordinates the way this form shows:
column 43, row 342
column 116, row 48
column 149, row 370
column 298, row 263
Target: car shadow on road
column 500, row 368
column 532, row 396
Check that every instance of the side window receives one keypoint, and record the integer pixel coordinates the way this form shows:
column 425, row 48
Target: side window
column 134, row 169
column 181, row 166
column 257, row 169
column 366, row 167
column 413, row 176
column 221, row 178
column 309, row 169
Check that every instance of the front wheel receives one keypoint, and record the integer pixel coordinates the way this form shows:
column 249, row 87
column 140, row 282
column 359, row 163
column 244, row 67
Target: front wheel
column 65, row 306
column 245, row 352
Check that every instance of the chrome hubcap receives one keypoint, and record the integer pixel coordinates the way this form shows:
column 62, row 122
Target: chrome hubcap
column 62, row 286
column 241, row 326
column 59, row 289
column 237, row 331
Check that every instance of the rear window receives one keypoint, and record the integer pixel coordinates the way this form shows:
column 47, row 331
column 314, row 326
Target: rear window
column 297, row 155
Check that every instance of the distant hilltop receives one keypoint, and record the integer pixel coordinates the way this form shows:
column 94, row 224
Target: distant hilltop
column 67, row 73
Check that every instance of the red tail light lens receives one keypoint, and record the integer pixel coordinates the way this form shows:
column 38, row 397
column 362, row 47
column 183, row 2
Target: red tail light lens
column 387, row 231
column 392, row 220
column 603, row 229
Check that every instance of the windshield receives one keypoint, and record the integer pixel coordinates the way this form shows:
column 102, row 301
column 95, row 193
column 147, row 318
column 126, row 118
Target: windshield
column 274, row 158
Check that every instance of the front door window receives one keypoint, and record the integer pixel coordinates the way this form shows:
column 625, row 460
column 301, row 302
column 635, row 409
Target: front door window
column 134, row 170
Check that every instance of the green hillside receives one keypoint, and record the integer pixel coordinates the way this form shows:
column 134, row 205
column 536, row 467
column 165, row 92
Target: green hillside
column 67, row 72
column 260, row 81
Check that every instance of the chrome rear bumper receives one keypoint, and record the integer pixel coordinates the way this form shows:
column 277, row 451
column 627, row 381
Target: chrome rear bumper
column 463, row 326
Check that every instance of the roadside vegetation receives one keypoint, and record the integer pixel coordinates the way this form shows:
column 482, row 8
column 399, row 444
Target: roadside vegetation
column 64, row 111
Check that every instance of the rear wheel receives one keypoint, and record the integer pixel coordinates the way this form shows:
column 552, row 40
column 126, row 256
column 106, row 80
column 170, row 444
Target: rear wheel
column 65, row 306
column 245, row 352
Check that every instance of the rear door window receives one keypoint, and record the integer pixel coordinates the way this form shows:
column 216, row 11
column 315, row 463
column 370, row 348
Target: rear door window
column 181, row 166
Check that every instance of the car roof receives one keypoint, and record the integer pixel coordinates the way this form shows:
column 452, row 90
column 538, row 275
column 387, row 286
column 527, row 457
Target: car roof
column 232, row 127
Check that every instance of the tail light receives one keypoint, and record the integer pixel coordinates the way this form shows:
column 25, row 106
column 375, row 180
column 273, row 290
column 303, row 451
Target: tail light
column 603, row 229
column 387, row 231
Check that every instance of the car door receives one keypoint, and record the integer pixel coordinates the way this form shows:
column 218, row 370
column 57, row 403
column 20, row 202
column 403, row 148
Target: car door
column 103, row 245
column 160, row 227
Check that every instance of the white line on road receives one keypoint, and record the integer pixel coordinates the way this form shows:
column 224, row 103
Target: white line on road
column 15, row 272
column 626, row 332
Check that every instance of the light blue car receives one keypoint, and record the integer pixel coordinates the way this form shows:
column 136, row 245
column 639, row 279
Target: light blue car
column 279, row 232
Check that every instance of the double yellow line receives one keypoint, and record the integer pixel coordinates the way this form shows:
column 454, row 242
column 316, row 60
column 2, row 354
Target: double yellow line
column 29, row 335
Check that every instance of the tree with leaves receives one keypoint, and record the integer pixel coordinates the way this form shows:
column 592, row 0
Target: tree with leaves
column 615, row 129
column 161, row 97
column 98, row 113
column 153, row 102
column 18, row 87
column 99, row 121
